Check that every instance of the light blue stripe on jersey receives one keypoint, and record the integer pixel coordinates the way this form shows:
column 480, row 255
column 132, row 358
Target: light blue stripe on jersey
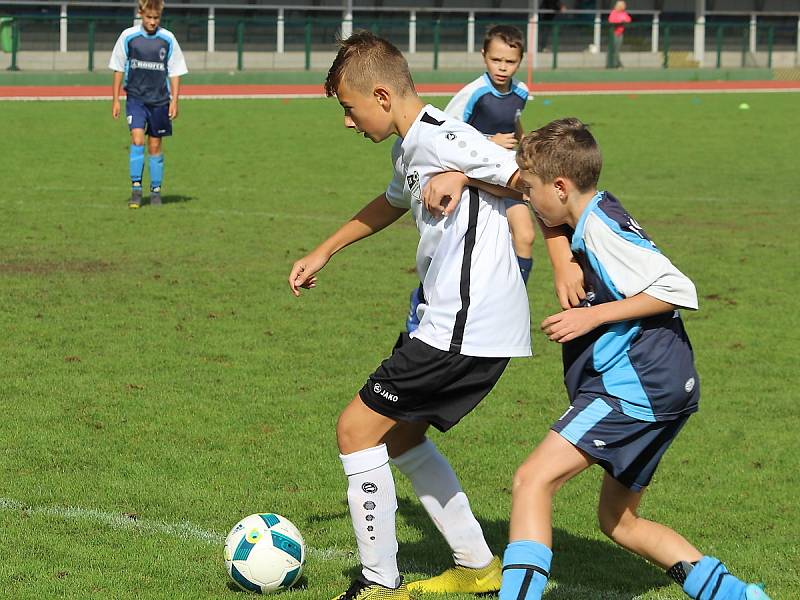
column 577, row 237
column 600, row 270
column 588, row 418
column 160, row 34
column 473, row 100
column 610, row 355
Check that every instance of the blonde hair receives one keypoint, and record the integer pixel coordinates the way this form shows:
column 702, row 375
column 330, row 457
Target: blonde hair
column 364, row 60
column 562, row 148
column 620, row 5
column 156, row 5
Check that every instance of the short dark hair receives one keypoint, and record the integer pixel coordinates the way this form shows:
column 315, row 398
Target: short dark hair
column 505, row 33
column 365, row 59
column 562, row 148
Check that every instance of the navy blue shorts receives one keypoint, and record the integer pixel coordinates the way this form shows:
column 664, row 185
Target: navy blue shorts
column 628, row 449
column 421, row 383
column 153, row 119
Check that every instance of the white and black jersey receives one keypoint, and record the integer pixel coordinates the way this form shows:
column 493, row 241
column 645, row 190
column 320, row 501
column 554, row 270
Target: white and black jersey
column 475, row 301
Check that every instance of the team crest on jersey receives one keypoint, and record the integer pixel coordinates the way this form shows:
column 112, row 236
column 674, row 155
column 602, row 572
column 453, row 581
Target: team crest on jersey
column 162, row 53
column 413, row 185
column 450, row 136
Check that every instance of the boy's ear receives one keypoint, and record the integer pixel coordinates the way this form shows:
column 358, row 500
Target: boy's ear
column 383, row 96
column 561, row 188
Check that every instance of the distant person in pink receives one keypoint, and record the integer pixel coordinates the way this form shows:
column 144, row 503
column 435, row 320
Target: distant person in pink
column 618, row 17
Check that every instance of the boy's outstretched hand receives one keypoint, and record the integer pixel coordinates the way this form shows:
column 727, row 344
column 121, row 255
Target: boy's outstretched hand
column 570, row 324
column 304, row 271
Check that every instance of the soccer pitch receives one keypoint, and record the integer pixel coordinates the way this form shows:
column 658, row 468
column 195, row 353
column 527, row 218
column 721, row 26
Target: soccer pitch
column 160, row 381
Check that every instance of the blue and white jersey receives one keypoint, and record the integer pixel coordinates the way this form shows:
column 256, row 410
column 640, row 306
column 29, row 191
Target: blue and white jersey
column 148, row 62
column 485, row 108
column 643, row 368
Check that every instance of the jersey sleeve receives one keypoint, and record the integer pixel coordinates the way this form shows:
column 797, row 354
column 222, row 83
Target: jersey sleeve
column 458, row 104
column 394, row 192
column 468, row 151
column 119, row 55
column 176, row 65
column 636, row 265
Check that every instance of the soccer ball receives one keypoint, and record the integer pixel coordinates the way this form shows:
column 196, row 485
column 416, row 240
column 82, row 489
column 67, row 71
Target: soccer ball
column 264, row 553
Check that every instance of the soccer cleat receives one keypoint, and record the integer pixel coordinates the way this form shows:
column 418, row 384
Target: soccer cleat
column 155, row 197
column 412, row 320
column 755, row 592
column 361, row 589
column 136, row 198
column 463, row 579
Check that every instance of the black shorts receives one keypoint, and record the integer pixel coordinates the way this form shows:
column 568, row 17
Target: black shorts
column 421, row 383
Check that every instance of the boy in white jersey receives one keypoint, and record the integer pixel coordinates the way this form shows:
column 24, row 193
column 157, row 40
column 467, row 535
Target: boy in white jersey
column 474, row 319
column 490, row 104
column 147, row 61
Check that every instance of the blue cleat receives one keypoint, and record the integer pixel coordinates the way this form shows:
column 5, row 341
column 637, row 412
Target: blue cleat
column 755, row 591
column 412, row 320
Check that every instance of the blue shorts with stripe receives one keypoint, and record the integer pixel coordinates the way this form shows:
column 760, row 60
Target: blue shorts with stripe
column 154, row 119
column 628, row 449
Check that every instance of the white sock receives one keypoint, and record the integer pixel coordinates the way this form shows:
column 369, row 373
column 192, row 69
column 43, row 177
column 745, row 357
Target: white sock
column 373, row 503
column 437, row 487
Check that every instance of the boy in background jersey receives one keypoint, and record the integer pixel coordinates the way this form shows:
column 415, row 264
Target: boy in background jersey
column 490, row 104
column 629, row 371
column 147, row 61
column 474, row 320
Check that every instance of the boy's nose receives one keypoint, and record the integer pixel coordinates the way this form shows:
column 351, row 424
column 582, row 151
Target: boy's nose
column 348, row 122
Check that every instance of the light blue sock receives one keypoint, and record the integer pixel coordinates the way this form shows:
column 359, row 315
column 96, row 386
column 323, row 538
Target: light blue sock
column 710, row 580
column 525, row 267
column 156, row 170
column 136, row 163
column 526, row 568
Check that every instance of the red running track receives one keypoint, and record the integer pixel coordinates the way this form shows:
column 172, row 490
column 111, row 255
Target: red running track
column 14, row 92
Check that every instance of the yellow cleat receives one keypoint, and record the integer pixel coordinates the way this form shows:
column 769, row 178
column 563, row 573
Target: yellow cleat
column 463, row 579
column 361, row 589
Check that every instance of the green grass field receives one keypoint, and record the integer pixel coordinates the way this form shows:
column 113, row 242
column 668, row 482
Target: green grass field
column 159, row 381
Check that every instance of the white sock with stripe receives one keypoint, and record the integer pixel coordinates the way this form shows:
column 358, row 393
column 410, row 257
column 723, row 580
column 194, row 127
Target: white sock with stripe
column 373, row 503
column 437, row 487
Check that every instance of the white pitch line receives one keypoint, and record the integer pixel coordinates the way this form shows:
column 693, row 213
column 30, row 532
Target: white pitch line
column 183, row 530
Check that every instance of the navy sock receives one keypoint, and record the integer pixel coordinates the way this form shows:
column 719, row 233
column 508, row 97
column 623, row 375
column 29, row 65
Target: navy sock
column 525, row 267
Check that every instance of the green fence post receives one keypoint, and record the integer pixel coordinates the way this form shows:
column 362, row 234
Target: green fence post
column 308, row 44
column 745, row 41
column 666, row 47
column 14, row 45
column 770, row 41
column 720, row 37
column 555, row 46
column 436, row 33
column 91, row 46
column 610, row 52
column 240, row 46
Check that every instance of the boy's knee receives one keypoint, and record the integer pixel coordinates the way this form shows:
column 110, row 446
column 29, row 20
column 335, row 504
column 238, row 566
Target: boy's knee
column 528, row 477
column 524, row 236
column 614, row 525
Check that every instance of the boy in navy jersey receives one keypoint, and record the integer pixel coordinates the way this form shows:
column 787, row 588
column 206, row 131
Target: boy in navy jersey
column 147, row 61
column 490, row 104
column 475, row 318
column 629, row 371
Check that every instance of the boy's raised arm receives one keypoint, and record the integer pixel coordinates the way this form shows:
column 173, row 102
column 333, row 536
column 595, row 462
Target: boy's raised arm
column 375, row 216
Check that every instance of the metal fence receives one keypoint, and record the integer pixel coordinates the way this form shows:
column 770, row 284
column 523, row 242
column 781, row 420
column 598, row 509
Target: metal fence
column 90, row 30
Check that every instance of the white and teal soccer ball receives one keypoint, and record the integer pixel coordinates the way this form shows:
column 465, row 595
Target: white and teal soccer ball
column 264, row 553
